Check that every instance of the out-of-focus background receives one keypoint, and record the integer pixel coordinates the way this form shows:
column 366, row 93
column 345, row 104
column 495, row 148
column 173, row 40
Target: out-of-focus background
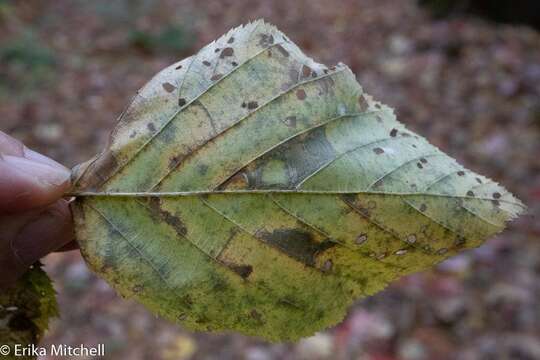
column 464, row 74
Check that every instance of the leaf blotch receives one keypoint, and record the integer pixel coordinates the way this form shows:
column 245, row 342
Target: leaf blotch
column 266, row 40
column 228, row 51
column 296, row 243
column 393, row 132
column 168, row 87
column 378, row 151
column 172, row 220
column 306, row 71
column 181, row 102
column 363, row 104
column 301, row 94
column 252, row 105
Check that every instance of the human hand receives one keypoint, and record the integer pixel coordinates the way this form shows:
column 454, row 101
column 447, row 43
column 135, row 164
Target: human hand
column 34, row 218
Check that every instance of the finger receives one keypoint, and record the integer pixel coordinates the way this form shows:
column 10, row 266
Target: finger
column 12, row 146
column 28, row 179
column 29, row 236
column 25, row 184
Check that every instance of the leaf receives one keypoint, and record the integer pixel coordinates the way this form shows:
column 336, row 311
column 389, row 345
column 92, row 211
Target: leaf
column 249, row 188
column 26, row 308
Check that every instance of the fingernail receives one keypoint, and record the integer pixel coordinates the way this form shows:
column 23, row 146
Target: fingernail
column 41, row 235
column 43, row 173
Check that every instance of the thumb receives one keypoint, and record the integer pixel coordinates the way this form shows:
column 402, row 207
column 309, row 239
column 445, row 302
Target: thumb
column 28, row 180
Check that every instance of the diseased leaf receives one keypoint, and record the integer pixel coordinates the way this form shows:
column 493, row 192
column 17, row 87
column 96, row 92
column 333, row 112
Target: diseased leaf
column 25, row 310
column 249, row 188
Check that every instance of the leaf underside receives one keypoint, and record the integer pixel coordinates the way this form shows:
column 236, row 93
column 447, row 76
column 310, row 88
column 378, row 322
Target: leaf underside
column 249, row 188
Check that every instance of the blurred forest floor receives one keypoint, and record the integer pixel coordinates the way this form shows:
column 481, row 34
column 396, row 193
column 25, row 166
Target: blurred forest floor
column 470, row 86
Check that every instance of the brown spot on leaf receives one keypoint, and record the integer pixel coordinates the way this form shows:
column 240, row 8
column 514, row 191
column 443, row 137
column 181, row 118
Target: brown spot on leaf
column 243, row 104
column 378, row 151
column 133, row 134
column 423, row 207
column 252, row 105
column 216, row 77
column 178, row 67
column 496, row 195
column 168, row 87
column 181, row 102
column 478, row 180
column 231, row 40
column 423, row 160
column 151, row 127
column 306, row 70
column 234, row 63
column 461, row 173
column 419, row 165
column 266, row 40
column 362, row 238
column 243, row 270
column 301, row 94
column 470, row 193
column 173, row 162
column 206, row 63
column 393, row 132
column 495, row 202
column 411, row 239
column 228, row 51
column 362, row 102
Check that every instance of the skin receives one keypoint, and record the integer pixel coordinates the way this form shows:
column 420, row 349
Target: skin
column 34, row 218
